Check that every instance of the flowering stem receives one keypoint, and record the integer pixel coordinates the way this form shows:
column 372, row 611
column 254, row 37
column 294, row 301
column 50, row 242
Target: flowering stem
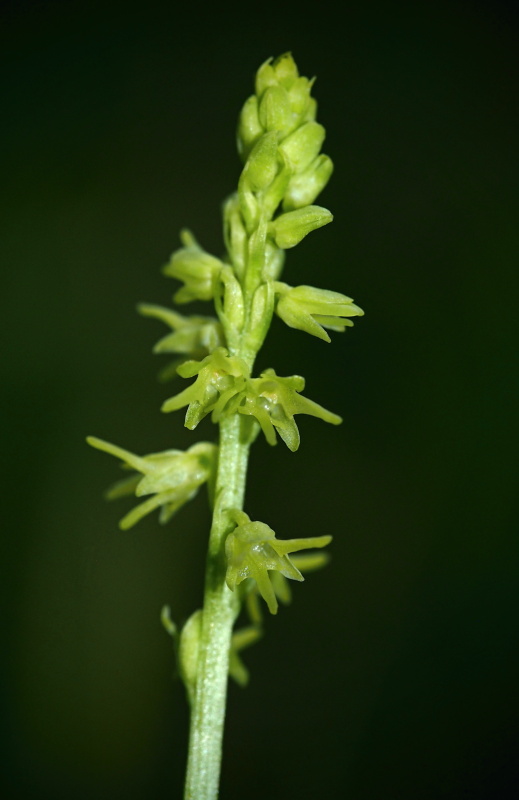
column 221, row 607
column 272, row 211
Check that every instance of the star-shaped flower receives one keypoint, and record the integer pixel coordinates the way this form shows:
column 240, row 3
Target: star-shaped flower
column 252, row 550
column 274, row 401
column 196, row 268
column 312, row 310
column 220, row 379
column 195, row 335
column 172, row 477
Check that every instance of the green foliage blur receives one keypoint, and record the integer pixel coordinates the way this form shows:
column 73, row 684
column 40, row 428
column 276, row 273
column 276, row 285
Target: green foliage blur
column 392, row 674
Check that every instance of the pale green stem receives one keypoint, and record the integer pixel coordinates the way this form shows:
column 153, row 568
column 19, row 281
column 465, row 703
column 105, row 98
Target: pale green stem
column 221, row 607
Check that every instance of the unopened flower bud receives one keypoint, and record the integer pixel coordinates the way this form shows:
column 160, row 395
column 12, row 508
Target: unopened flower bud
column 303, row 145
column 249, row 128
column 189, row 646
column 249, row 206
column 290, row 228
column 274, row 261
column 311, row 112
column 233, row 309
column 262, row 164
column 305, row 186
column 261, row 315
column 274, row 194
column 265, row 77
column 274, row 110
column 235, row 234
column 285, row 70
column 299, row 95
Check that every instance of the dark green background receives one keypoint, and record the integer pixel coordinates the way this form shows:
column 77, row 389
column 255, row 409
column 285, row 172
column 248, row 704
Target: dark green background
column 393, row 674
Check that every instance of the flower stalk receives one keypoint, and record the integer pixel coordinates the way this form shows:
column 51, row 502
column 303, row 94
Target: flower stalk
column 272, row 211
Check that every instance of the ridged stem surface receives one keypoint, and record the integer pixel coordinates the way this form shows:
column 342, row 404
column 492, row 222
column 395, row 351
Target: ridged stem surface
column 221, row 607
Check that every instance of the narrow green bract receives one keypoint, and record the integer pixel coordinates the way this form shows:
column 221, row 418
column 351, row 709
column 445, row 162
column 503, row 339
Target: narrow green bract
column 273, row 210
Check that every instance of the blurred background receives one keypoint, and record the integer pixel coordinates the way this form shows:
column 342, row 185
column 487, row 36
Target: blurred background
column 393, row 674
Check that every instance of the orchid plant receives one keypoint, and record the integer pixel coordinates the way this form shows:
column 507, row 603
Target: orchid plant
column 279, row 141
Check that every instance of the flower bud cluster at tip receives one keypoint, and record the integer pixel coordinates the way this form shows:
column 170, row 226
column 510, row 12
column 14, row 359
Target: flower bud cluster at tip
column 279, row 141
column 284, row 170
column 278, row 135
column 253, row 552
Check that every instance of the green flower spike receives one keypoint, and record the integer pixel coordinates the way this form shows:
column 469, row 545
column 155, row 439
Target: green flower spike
column 197, row 269
column 271, row 210
column 274, row 401
column 220, row 379
column 282, row 102
column 312, row 310
column 280, row 142
column 173, row 477
column 252, row 550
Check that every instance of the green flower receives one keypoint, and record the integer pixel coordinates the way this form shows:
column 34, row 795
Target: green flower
column 311, row 310
column 220, row 379
column 274, row 401
column 196, row 335
column 172, row 477
column 252, row 551
column 197, row 269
